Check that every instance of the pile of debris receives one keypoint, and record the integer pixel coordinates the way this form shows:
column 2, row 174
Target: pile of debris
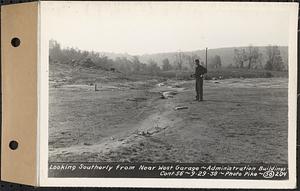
column 168, row 94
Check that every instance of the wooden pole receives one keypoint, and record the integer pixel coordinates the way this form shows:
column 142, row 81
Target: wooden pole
column 206, row 57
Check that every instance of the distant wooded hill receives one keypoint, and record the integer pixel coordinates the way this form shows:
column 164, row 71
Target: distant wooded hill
column 226, row 55
column 274, row 58
column 69, row 64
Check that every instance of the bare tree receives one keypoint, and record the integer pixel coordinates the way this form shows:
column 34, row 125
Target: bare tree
column 240, row 56
column 250, row 54
column 179, row 61
column 166, row 64
column 275, row 61
column 253, row 56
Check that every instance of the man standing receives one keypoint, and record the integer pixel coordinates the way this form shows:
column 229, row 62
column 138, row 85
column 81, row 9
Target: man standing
column 199, row 72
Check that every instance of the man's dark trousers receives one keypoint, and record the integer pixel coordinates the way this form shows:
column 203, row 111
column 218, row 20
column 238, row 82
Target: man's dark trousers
column 199, row 89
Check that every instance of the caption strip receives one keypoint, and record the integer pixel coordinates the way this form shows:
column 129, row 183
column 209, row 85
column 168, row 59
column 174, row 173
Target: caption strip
column 169, row 170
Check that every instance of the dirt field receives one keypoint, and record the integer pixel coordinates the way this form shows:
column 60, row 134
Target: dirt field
column 241, row 120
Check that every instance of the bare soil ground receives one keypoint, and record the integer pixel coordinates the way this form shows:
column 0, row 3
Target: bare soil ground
column 241, row 120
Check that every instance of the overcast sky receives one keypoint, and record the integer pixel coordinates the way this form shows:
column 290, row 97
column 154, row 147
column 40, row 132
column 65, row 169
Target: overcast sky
column 139, row 28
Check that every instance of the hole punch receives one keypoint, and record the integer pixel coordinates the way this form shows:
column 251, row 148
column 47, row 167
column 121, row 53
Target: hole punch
column 15, row 42
column 13, row 145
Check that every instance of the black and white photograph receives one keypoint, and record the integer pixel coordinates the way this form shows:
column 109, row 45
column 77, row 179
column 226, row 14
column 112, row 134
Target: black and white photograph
column 170, row 83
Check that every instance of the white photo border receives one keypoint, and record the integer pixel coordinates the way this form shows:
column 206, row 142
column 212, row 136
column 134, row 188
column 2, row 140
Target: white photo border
column 45, row 9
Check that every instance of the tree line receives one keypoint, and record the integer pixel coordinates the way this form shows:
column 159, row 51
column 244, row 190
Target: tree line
column 90, row 59
column 250, row 58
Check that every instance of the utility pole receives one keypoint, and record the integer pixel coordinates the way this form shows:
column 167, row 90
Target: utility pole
column 206, row 57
